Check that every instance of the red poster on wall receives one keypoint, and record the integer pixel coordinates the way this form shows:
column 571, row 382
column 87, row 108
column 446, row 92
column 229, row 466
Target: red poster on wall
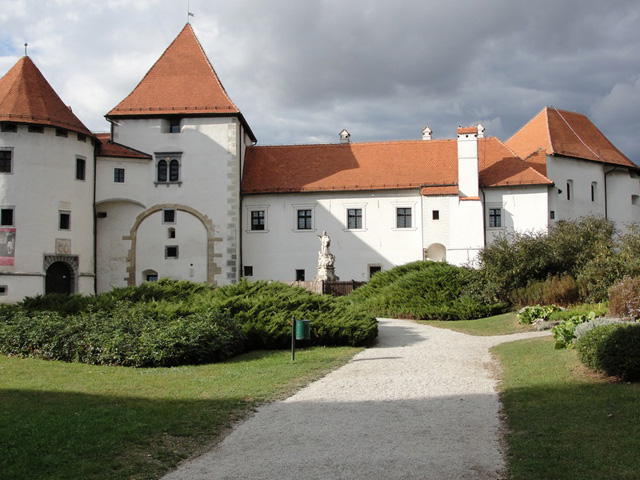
column 7, row 246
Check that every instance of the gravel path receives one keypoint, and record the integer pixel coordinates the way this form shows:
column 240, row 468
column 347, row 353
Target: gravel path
column 421, row 404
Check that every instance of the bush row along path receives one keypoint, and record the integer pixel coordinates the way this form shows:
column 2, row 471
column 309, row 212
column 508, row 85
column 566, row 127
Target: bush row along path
column 421, row 404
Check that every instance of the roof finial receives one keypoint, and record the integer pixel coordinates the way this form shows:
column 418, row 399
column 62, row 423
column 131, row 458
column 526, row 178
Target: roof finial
column 25, row 49
column 189, row 14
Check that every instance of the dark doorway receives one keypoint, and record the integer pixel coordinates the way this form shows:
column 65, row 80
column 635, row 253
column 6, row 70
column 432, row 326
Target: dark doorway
column 58, row 278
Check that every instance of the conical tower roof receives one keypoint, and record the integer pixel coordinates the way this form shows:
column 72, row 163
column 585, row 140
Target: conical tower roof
column 181, row 82
column 27, row 97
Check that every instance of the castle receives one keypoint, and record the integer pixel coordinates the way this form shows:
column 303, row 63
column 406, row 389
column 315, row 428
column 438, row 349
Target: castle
column 178, row 188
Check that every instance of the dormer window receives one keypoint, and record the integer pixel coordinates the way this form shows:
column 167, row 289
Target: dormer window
column 171, row 125
column 174, row 125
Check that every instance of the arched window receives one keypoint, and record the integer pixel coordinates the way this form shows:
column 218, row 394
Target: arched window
column 162, row 171
column 174, row 170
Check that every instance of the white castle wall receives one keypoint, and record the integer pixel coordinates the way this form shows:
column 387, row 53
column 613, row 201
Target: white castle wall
column 43, row 182
column 281, row 249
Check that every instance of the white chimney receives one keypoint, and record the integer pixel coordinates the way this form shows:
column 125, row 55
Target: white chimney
column 468, row 178
column 344, row 136
column 426, row 133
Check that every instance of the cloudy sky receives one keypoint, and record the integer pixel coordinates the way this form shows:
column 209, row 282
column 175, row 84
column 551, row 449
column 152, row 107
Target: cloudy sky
column 302, row 70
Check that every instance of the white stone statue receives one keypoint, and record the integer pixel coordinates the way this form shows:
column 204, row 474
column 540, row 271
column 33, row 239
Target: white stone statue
column 326, row 260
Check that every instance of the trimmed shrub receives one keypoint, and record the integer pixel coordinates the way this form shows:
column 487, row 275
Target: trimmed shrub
column 624, row 298
column 265, row 310
column 585, row 327
column 170, row 323
column 423, row 290
column 613, row 350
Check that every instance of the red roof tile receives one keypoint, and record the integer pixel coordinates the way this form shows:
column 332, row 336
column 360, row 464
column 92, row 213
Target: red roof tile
column 568, row 134
column 182, row 81
column 429, row 165
column 500, row 167
column 107, row 148
column 27, row 97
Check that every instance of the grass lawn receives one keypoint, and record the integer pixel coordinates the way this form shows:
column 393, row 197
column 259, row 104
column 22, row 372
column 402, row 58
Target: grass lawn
column 565, row 422
column 496, row 325
column 70, row 420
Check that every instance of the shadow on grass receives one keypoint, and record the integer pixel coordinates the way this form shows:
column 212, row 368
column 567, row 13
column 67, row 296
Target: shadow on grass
column 564, row 421
column 57, row 435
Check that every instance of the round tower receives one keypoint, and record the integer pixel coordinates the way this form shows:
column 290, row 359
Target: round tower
column 46, row 190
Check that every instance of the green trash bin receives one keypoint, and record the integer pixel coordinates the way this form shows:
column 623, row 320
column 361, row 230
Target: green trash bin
column 303, row 329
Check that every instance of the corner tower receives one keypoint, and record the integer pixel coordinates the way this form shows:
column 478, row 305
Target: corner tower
column 46, row 190
column 184, row 221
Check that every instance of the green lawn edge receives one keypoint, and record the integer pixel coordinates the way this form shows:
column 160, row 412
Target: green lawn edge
column 70, row 420
column 562, row 420
column 503, row 324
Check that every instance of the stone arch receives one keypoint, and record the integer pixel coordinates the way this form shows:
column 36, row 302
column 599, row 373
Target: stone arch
column 70, row 261
column 436, row 252
column 212, row 267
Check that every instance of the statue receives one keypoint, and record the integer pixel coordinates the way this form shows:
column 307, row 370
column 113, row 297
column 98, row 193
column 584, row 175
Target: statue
column 326, row 261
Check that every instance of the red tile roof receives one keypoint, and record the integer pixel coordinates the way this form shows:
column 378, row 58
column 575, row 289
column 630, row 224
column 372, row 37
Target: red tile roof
column 107, row 148
column 500, row 167
column 430, row 165
column 182, row 81
column 568, row 134
column 27, row 97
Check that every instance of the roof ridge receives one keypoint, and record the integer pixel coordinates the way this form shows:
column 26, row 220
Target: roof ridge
column 373, row 142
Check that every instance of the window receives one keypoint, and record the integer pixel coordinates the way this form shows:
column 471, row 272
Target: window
column 4, row 289
column 82, row 137
column 64, row 220
column 6, row 165
column 435, row 214
column 118, row 175
column 61, row 132
column 594, row 191
column 373, row 269
column 6, row 217
column 569, row 188
column 171, row 233
column 304, row 219
column 9, row 127
column 299, row 275
column 495, row 217
column 552, row 215
column 403, row 217
column 354, row 218
column 168, row 216
column 152, row 277
column 171, row 251
column 81, row 168
column 162, row 171
column 257, row 220
column 635, row 200
column 174, row 125
column 168, row 168
column 248, row 271
column 35, row 129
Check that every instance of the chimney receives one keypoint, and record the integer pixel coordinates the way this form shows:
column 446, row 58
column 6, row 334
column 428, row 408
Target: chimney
column 468, row 179
column 345, row 137
column 426, row 133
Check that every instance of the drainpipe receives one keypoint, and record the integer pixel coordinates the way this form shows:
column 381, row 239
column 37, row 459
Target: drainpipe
column 484, row 218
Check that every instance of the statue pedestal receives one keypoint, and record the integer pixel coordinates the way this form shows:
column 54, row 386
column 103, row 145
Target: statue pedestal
column 326, row 270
